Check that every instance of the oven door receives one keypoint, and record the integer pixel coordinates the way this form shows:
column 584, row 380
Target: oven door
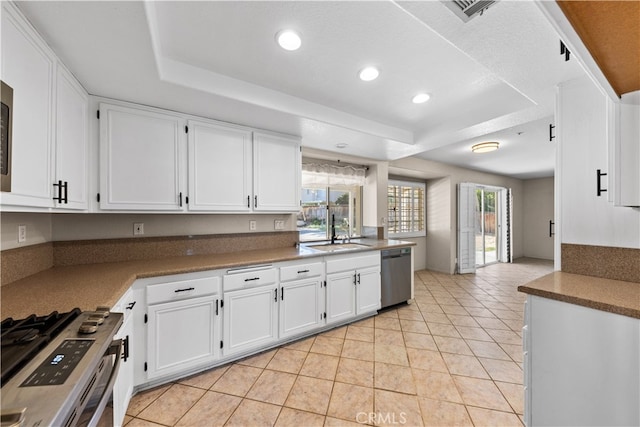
column 103, row 391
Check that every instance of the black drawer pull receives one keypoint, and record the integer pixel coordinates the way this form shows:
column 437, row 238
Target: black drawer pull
column 131, row 305
column 252, row 279
column 599, row 176
column 184, row 290
column 303, row 271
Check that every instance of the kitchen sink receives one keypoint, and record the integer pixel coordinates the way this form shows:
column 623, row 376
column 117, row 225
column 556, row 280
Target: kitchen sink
column 332, row 247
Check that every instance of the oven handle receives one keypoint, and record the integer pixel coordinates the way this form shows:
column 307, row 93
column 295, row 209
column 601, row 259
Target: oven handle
column 114, row 349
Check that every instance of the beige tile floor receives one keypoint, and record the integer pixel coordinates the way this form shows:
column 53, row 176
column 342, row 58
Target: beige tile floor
column 452, row 358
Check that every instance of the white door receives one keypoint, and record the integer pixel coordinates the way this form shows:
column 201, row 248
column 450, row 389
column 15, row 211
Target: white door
column 140, row 159
column 301, row 306
column 341, row 296
column 181, row 335
column 219, row 168
column 368, row 290
column 123, row 387
column 250, row 319
column 276, row 175
column 466, row 228
column 28, row 68
column 71, row 142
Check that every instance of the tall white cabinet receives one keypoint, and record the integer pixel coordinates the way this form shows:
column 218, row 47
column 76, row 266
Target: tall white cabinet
column 587, row 217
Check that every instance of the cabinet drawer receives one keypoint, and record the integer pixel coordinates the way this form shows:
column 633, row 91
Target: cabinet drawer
column 300, row 271
column 242, row 279
column 339, row 263
column 182, row 289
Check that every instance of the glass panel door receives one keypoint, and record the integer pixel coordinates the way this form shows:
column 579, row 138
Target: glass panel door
column 486, row 228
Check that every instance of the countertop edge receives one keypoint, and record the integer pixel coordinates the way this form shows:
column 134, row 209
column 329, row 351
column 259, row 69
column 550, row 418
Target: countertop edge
column 594, row 294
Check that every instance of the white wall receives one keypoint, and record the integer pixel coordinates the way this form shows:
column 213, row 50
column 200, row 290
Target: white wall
column 538, row 211
column 113, row 226
column 39, row 229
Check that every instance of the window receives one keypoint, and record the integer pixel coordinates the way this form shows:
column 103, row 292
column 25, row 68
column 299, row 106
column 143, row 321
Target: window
column 406, row 204
column 330, row 191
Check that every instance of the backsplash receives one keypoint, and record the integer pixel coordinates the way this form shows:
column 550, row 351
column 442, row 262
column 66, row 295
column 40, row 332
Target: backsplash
column 602, row 261
column 22, row 262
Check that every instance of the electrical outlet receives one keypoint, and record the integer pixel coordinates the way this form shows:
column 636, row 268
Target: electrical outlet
column 278, row 224
column 252, row 225
column 138, row 228
column 22, row 233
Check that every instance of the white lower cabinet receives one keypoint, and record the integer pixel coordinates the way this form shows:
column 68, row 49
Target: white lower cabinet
column 182, row 327
column 250, row 310
column 353, row 285
column 581, row 365
column 302, row 301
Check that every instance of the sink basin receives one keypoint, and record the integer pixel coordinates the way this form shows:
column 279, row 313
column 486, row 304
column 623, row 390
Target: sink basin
column 332, row 247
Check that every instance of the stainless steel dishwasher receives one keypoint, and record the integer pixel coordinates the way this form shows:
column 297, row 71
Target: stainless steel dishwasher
column 396, row 276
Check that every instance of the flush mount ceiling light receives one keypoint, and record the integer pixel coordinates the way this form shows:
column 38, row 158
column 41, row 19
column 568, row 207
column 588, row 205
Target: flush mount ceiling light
column 421, row 98
column 485, row 147
column 288, row 40
column 369, row 73
column 341, row 145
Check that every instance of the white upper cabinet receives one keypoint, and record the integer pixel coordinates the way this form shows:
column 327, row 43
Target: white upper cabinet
column 71, row 186
column 276, row 177
column 28, row 67
column 232, row 169
column 49, row 155
column 140, row 159
column 219, row 168
column 587, row 216
column 627, row 152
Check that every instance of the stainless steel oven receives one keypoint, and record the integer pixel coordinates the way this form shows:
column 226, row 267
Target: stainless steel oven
column 69, row 380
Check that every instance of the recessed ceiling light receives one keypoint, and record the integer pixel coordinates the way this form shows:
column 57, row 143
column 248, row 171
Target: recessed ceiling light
column 341, row 145
column 421, row 98
column 485, row 147
column 288, row 40
column 369, row 73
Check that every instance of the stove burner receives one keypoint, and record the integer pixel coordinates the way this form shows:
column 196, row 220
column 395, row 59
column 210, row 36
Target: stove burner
column 23, row 339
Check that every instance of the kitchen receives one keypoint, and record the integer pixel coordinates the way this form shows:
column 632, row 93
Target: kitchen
column 184, row 91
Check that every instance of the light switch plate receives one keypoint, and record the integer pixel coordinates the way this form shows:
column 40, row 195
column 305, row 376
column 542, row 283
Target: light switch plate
column 278, row 224
column 252, row 225
column 22, row 233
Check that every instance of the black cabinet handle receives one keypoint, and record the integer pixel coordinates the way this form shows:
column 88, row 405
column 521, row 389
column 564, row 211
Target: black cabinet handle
column 303, row 271
column 282, row 294
column 255, row 201
column 358, row 278
column 599, row 176
column 248, row 201
column 62, row 186
column 276, row 295
column 216, row 307
column 125, row 349
column 355, row 279
column 551, row 135
column 180, row 198
column 131, row 305
column 551, row 224
column 253, row 278
column 184, row 290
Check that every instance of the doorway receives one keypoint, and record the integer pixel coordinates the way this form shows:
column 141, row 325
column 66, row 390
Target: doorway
column 486, row 226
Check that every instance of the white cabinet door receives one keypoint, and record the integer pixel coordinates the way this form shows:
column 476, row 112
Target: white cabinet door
column 341, row 296
column 140, row 159
column 219, row 168
column 276, row 175
column 28, row 67
column 368, row 290
column 71, row 142
column 628, row 155
column 587, row 218
column 182, row 335
column 250, row 319
column 301, row 306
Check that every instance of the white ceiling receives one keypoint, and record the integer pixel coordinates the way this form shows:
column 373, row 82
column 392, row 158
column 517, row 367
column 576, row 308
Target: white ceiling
column 492, row 78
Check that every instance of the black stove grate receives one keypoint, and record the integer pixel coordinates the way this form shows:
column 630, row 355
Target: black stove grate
column 23, row 339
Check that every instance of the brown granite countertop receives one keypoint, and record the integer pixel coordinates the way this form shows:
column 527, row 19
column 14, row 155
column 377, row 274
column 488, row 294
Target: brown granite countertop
column 613, row 296
column 90, row 285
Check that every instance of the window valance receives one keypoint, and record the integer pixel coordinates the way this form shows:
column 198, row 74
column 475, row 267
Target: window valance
column 327, row 175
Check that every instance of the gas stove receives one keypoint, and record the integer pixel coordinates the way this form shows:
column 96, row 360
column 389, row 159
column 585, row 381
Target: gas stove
column 59, row 369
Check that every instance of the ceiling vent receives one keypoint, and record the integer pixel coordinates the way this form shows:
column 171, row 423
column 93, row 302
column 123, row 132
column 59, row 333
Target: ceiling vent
column 467, row 9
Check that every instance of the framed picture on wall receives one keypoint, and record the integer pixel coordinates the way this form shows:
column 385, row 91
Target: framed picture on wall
column 5, row 136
